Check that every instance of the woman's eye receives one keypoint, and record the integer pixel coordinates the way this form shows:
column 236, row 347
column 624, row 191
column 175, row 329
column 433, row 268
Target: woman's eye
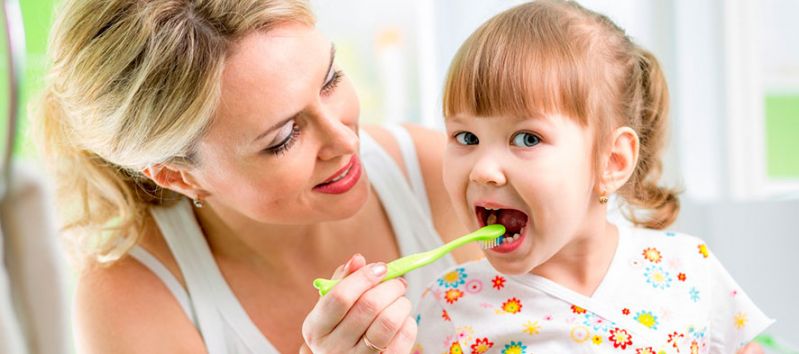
column 466, row 138
column 288, row 135
column 526, row 140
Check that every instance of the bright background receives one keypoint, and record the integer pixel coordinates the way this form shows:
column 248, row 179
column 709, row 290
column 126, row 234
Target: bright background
column 733, row 72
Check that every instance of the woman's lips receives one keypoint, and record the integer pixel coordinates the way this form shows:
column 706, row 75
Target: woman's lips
column 343, row 180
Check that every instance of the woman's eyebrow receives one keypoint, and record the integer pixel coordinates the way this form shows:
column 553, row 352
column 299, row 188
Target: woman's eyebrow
column 330, row 65
column 284, row 121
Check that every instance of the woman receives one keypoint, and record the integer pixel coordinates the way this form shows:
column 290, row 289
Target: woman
column 217, row 143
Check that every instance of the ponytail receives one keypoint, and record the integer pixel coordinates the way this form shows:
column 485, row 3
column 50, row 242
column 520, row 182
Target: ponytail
column 648, row 111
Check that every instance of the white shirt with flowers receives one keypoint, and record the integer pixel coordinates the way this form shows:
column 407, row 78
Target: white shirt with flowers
column 664, row 293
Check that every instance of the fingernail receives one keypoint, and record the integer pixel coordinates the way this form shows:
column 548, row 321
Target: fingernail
column 404, row 282
column 378, row 269
column 346, row 267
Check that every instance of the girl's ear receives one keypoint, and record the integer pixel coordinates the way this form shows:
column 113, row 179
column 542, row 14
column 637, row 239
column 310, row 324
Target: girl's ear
column 621, row 161
column 176, row 179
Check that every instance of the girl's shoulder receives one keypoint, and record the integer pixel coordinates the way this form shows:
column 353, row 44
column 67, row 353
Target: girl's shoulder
column 674, row 243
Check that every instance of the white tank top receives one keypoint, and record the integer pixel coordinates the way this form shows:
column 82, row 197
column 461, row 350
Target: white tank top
column 210, row 303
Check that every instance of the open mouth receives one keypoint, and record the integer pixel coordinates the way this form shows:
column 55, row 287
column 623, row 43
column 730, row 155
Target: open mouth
column 514, row 221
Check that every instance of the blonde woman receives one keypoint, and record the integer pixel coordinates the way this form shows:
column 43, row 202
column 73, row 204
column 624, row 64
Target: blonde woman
column 211, row 165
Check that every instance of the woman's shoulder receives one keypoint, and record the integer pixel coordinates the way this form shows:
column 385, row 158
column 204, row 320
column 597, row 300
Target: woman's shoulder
column 125, row 308
column 429, row 145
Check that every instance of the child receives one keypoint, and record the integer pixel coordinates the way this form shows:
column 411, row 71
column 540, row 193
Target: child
column 551, row 108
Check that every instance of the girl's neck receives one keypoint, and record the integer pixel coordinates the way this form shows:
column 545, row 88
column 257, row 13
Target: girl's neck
column 582, row 264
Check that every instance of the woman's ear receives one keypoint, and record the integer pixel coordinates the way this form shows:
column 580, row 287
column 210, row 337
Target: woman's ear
column 622, row 159
column 174, row 178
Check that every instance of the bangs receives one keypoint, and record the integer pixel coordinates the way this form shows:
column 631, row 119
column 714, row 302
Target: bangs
column 518, row 65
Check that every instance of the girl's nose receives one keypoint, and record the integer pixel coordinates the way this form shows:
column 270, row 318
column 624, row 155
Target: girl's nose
column 488, row 171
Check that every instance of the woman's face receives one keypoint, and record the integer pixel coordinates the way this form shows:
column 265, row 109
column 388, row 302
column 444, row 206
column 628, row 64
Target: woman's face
column 283, row 147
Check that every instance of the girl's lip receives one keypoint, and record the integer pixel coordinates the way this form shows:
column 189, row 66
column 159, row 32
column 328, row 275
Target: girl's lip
column 353, row 172
column 505, row 247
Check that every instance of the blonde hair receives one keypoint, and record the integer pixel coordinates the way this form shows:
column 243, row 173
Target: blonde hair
column 134, row 83
column 552, row 56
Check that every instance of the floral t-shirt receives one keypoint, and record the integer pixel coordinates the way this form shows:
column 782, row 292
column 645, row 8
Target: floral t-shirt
column 664, row 293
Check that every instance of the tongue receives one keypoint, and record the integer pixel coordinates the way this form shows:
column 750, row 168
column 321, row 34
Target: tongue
column 513, row 220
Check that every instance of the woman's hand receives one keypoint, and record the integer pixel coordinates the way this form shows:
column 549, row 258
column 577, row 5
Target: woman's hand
column 360, row 314
column 751, row 348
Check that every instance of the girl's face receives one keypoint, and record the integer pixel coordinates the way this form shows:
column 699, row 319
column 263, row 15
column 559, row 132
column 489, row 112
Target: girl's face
column 283, row 147
column 533, row 175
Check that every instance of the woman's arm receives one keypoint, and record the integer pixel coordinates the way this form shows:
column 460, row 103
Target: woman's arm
column 125, row 308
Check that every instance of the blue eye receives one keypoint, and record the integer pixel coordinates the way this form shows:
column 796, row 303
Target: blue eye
column 466, row 138
column 526, row 140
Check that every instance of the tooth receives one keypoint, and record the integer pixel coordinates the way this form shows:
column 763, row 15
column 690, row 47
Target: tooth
column 492, row 219
column 515, row 236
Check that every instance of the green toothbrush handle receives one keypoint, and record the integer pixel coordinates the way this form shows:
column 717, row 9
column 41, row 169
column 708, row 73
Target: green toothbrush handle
column 395, row 268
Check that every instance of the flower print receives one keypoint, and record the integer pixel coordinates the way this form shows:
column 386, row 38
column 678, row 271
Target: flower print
column 445, row 315
column 474, row 286
column 532, row 328
column 418, row 318
column 652, row 254
column 452, row 295
column 481, row 345
column 673, row 337
column 464, row 334
column 694, row 294
column 512, row 305
column 580, row 334
column 498, row 282
column 647, row 318
column 620, row 338
column 455, row 348
column 694, row 347
column 647, row 350
column 740, row 320
column 596, row 322
column 596, row 339
column 625, row 311
column 681, row 277
column 548, row 318
column 670, row 234
column 417, row 349
column 514, row 348
column 703, row 250
column 577, row 309
column 453, row 279
column 657, row 277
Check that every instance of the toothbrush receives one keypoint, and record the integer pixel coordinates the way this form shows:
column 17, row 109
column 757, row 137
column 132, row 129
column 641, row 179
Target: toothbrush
column 489, row 237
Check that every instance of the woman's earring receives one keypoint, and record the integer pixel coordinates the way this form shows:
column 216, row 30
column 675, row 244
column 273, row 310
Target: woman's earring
column 198, row 203
column 603, row 198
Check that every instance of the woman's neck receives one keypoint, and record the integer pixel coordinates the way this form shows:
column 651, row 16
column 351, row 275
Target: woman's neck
column 233, row 238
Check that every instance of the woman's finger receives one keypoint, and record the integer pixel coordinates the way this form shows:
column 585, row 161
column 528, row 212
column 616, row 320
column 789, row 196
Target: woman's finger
column 388, row 323
column 331, row 308
column 405, row 339
column 366, row 310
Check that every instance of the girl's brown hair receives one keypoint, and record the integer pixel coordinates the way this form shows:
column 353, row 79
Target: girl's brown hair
column 551, row 56
column 134, row 83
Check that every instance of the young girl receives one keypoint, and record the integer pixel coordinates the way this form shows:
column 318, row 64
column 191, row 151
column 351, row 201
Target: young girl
column 551, row 108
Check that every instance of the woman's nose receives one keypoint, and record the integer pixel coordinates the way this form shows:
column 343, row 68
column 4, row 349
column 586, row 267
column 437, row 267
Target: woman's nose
column 338, row 138
column 488, row 171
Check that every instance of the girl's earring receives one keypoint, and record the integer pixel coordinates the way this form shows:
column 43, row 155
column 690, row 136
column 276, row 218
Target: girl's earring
column 603, row 198
column 198, row 203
